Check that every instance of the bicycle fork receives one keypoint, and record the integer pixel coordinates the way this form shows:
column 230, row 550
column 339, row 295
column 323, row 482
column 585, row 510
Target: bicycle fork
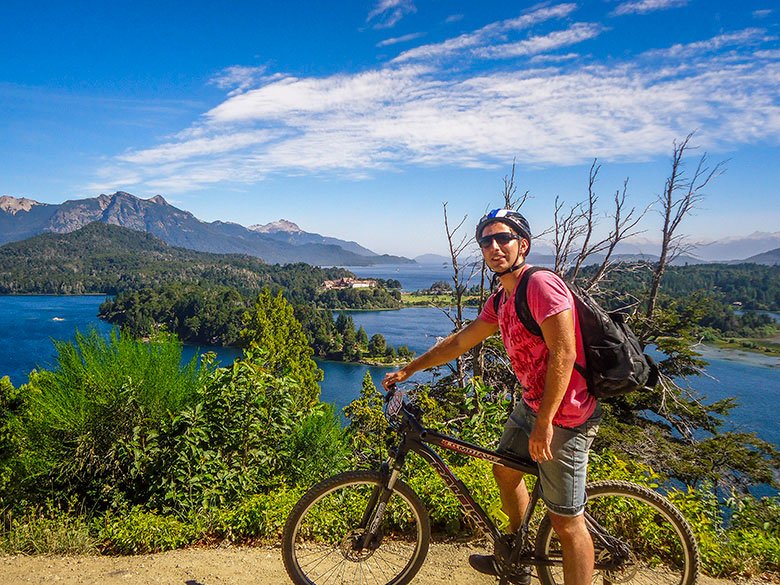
column 371, row 522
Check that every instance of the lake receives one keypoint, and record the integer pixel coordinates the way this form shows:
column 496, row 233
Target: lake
column 29, row 323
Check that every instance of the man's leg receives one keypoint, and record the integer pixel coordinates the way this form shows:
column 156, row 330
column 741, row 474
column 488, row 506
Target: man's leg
column 577, row 548
column 514, row 495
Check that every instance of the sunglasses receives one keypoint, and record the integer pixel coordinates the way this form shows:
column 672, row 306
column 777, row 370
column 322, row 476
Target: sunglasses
column 502, row 239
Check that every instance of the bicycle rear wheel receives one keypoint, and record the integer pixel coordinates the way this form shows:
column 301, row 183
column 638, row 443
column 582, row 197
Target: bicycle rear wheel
column 323, row 540
column 660, row 548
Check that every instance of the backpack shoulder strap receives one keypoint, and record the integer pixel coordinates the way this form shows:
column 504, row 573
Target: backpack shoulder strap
column 497, row 296
column 521, row 301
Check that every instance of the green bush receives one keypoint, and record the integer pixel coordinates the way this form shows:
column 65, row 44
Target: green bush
column 237, row 439
column 259, row 516
column 318, row 447
column 139, row 531
column 85, row 417
column 52, row 532
column 738, row 537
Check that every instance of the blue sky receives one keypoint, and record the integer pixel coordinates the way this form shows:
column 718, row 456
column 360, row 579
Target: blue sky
column 358, row 119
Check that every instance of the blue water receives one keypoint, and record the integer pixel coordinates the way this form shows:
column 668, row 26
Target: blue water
column 418, row 328
column 29, row 323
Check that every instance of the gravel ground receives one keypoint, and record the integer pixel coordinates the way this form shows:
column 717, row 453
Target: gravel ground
column 446, row 564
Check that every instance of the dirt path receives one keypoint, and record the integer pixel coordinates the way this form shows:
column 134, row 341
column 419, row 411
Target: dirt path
column 446, row 565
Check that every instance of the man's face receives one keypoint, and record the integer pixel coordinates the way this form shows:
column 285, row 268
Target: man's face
column 500, row 257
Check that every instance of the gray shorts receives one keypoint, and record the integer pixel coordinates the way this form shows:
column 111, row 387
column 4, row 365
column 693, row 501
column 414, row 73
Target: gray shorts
column 563, row 478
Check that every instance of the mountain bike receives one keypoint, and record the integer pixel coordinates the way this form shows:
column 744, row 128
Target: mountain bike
column 371, row 527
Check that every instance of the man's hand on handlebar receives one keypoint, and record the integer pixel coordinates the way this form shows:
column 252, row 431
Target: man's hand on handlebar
column 394, row 378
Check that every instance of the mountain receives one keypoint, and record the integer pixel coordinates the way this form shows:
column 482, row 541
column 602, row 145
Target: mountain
column 23, row 218
column 736, row 248
column 770, row 258
column 106, row 258
column 289, row 233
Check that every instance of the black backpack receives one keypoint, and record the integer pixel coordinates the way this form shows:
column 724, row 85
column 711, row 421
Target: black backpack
column 615, row 362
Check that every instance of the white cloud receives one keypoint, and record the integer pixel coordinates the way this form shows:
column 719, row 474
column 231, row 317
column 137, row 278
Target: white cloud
column 579, row 32
column 740, row 38
column 387, row 13
column 401, row 39
column 554, row 58
column 486, row 35
column 199, row 146
column 561, row 112
column 645, row 6
column 238, row 77
column 762, row 13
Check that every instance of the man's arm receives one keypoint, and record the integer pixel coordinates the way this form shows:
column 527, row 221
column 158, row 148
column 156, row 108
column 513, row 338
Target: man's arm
column 559, row 336
column 445, row 351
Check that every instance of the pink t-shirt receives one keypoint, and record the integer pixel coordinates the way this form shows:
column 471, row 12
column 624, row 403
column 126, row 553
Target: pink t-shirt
column 547, row 295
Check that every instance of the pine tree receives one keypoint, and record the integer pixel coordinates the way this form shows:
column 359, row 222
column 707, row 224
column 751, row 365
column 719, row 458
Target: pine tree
column 271, row 328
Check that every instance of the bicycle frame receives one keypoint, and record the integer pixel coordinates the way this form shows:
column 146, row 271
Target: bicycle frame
column 416, row 438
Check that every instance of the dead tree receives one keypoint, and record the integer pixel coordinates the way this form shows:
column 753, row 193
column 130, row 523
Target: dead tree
column 680, row 197
column 574, row 231
column 458, row 245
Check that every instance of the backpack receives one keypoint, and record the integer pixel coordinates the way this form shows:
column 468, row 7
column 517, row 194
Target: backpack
column 615, row 362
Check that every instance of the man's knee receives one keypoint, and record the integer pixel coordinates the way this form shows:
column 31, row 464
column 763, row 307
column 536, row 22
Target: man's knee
column 568, row 527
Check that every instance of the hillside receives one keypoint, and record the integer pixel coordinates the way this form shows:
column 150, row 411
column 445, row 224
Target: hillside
column 771, row 258
column 281, row 243
column 103, row 258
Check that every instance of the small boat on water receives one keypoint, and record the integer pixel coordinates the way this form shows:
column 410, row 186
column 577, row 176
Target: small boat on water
column 58, row 319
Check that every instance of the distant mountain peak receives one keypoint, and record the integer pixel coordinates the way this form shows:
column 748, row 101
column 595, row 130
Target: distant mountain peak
column 282, row 225
column 279, row 242
column 14, row 205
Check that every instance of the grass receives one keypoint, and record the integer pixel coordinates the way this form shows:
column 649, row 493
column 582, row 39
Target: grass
column 37, row 533
column 442, row 300
column 755, row 345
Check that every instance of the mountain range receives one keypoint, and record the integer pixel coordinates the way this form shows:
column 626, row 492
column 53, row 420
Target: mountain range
column 280, row 242
column 283, row 242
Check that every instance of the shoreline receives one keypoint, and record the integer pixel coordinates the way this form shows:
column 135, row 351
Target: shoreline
column 741, row 355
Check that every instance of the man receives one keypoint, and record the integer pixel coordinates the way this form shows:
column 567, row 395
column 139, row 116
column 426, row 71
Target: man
column 555, row 422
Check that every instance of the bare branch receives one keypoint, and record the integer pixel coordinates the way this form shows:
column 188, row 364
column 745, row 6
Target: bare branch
column 510, row 190
column 676, row 207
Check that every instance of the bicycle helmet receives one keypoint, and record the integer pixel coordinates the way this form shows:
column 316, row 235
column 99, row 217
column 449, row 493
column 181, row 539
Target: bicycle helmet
column 510, row 217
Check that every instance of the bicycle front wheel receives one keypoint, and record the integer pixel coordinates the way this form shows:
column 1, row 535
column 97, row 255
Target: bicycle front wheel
column 325, row 540
column 639, row 538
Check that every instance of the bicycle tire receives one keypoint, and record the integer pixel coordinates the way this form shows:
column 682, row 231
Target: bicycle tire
column 317, row 543
column 663, row 547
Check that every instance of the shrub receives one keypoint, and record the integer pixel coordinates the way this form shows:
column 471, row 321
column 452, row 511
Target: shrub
column 237, row 439
column 139, row 531
column 318, row 447
column 259, row 516
column 51, row 532
column 85, row 416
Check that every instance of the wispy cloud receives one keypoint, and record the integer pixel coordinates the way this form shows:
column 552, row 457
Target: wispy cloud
column 485, row 36
column 387, row 13
column 746, row 37
column 577, row 33
column 762, row 13
column 401, row 39
column 645, row 6
column 238, row 77
column 548, row 110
